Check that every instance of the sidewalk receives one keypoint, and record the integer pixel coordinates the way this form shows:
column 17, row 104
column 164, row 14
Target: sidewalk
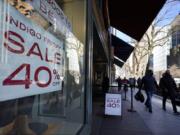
column 139, row 123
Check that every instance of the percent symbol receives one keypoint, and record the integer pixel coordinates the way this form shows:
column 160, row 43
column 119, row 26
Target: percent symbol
column 57, row 76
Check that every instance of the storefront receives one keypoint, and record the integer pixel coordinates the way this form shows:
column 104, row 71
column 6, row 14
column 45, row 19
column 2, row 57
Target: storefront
column 42, row 67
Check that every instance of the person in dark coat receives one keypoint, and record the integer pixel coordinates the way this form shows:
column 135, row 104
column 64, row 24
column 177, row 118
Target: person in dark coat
column 139, row 82
column 150, row 85
column 105, row 87
column 125, row 83
column 119, row 81
column 169, row 88
column 105, row 84
column 132, row 82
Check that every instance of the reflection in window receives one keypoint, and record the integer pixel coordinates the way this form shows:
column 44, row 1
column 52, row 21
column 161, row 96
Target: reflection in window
column 54, row 112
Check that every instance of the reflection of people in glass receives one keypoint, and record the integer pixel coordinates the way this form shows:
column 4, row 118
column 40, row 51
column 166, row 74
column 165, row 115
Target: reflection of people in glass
column 73, row 79
column 70, row 88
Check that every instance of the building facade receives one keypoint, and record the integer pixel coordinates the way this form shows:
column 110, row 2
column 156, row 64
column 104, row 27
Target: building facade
column 167, row 56
column 50, row 64
column 160, row 54
column 173, row 61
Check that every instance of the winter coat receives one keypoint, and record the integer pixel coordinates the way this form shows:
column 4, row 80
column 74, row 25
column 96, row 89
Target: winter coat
column 149, row 83
column 168, row 82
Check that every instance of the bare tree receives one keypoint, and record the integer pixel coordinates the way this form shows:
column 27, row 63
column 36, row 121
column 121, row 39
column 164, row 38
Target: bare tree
column 157, row 35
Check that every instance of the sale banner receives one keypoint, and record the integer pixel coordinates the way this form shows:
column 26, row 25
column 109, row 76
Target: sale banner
column 31, row 58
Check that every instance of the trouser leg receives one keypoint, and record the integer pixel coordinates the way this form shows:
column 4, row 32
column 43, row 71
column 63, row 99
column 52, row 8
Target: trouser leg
column 149, row 95
column 164, row 101
column 172, row 97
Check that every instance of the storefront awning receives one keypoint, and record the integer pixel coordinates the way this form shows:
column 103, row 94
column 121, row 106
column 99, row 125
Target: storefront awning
column 122, row 50
column 133, row 17
column 118, row 62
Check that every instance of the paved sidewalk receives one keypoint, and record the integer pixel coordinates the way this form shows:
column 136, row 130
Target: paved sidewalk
column 139, row 123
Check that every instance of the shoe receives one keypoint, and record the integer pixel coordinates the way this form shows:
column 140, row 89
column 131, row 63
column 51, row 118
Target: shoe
column 164, row 109
column 176, row 113
column 150, row 111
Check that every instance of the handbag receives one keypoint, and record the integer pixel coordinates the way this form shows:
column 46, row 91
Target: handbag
column 139, row 96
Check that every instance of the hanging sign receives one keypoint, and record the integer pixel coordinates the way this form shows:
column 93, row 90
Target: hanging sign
column 31, row 59
column 113, row 104
column 50, row 10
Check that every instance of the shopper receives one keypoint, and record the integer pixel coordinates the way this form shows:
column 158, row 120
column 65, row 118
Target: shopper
column 119, row 81
column 139, row 82
column 150, row 85
column 125, row 86
column 132, row 82
column 105, row 84
column 169, row 88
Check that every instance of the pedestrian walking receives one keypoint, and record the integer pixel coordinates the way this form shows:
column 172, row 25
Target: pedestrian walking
column 150, row 85
column 125, row 86
column 105, row 84
column 169, row 89
column 132, row 82
column 139, row 82
column 119, row 81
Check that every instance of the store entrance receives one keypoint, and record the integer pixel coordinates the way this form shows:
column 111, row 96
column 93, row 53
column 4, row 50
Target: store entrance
column 100, row 66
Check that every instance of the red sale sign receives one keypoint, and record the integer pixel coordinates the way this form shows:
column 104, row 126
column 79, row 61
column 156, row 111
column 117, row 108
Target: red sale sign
column 31, row 59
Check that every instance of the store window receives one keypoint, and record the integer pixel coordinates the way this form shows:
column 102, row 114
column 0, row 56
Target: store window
column 42, row 70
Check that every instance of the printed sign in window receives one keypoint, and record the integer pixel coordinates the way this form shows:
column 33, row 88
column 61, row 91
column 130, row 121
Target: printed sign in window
column 31, row 59
column 50, row 10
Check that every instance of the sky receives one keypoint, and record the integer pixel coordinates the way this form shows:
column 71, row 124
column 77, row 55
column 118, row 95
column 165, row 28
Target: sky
column 173, row 9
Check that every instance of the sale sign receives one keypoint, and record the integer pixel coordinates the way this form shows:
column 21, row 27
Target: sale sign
column 31, row 59
column 113, row 104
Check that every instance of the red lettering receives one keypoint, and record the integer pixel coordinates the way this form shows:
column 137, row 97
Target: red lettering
column 38, row 53
column 7, row 36
column 36, row 77
column 26, row 81
column 46, row 58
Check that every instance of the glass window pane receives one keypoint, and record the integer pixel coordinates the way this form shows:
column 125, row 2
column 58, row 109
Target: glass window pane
column 42, row 70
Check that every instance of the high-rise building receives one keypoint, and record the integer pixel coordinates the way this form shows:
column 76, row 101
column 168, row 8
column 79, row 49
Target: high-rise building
column 173, row 61
column 167, row 56
column 160, row 54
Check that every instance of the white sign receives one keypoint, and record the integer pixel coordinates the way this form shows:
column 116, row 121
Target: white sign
column 113, row 104
column 31, row 59
column 50, row 10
